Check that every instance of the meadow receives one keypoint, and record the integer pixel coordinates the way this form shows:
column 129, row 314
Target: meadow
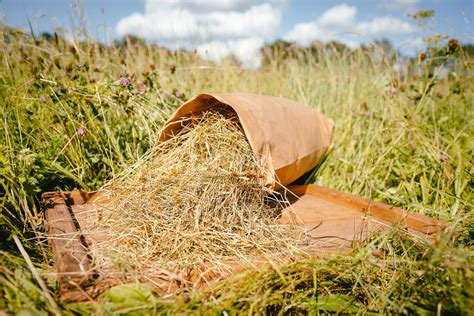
column 74, row 115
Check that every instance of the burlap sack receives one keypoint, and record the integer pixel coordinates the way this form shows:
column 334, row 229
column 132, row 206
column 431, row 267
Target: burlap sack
column 290, row 138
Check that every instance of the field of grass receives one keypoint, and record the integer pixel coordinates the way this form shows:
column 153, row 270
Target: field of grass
column 74, row 115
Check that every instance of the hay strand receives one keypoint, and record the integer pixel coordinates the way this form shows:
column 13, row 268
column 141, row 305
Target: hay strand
column 196, row 199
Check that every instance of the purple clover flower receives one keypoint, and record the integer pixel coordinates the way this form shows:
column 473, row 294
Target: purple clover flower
column 42, row 99
column 443, row 158
column 81, row 131
column 124, row 81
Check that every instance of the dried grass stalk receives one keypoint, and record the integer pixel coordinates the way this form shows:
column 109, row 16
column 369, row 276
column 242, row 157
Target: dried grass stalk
column 198, row 198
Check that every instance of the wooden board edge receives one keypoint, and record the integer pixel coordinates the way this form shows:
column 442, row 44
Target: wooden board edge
column 70, row 255
column 392, row 214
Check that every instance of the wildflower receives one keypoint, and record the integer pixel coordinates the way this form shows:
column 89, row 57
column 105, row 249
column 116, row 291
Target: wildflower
column 423, row 55
column 42, row 99
column 124, row 81
column 453, row 45
column 68, row 70
column 178, row 94
column 443, row 158
column 140, row 87
column 81, row 131
column 393, row 89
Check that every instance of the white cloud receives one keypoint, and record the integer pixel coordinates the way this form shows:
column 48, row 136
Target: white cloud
column 340, row 23
column 336, row 20
column 219, row 27
column 384, row 26
column 339, row 16
column 246, row 50
column 177, row 24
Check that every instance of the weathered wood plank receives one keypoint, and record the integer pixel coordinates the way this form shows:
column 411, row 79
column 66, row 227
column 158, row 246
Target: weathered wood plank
column 73, row 266
column 379, row 210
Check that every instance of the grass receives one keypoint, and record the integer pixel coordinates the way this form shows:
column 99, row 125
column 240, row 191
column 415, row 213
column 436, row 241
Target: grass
column 72, row 116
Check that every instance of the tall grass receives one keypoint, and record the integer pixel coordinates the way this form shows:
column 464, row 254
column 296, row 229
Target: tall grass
column 74, row 114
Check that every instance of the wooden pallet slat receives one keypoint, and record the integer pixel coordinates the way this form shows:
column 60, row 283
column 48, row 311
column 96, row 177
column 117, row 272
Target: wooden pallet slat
column 70, row 254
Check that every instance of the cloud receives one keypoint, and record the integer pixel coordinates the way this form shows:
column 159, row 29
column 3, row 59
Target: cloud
column 384, row 26
column 246, row 50
column 339, row 16
column 219, row 28
column 340, row 23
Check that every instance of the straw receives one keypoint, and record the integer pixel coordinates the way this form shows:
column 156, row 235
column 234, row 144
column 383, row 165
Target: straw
column 196, row 199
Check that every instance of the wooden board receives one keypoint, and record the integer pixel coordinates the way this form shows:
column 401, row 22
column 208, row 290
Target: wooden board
column 335, row 221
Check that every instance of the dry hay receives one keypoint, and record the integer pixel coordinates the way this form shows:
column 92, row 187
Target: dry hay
column 198, row 198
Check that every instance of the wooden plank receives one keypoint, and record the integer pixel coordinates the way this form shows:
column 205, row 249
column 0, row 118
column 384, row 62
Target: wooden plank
column 382, row 211
column 73, row 266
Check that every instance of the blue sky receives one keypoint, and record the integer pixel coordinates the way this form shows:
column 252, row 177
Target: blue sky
column 217, row 28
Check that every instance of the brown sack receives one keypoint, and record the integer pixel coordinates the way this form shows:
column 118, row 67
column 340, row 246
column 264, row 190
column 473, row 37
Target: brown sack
column 289, row 137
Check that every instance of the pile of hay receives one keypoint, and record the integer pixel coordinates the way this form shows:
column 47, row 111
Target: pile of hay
column 198, row 198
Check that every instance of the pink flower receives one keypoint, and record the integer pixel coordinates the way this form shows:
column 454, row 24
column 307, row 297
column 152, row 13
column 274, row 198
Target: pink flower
column 81, row 131
column 140, row 87
column 393, row 89
column 42, row 99
column 124, row 81
column 423, row 55
column 443, row 158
